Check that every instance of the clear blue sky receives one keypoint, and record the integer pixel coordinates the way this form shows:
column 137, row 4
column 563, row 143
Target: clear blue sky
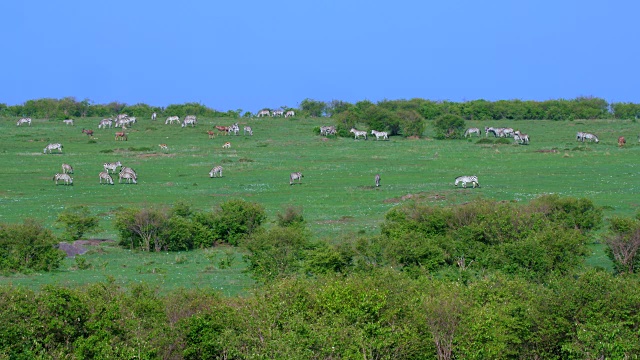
column 248, row 55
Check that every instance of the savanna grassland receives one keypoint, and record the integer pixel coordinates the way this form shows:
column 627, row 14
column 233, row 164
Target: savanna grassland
column 337, row 194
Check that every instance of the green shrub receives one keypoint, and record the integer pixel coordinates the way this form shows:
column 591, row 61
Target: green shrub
column 28, row 247
column 77, row 222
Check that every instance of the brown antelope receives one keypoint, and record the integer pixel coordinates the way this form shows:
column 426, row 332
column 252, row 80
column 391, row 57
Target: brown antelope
column 223, row 129
column 621, row 141
column 226, row 145
column 87, row 131
column 121, row 135
column 164, row 147
column 211, row 134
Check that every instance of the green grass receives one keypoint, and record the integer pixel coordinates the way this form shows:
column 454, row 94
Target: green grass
column 337, row 193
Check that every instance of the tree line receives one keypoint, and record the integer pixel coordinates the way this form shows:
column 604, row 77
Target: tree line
column 558, row 109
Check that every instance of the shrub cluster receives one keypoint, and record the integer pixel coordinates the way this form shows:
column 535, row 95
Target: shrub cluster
column 28, row 247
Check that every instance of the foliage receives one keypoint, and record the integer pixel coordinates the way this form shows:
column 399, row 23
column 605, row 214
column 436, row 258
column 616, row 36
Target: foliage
column 623, row 243
column 290, row 216
column 77, row 222
column 313, row 108
column 234, row 220
column 142, row 228
column 449, row 126
column 28, row 247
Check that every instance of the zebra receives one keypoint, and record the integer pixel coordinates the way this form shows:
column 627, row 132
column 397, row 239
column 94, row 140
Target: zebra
column 290, row 113
column 217, row 170
column 328, row 130
column 520, row 137
column 234, row 129
column 247, row 129
column 508, row 132
column 104, row 123
column 295, row 176
column 171, row 119
column 106, row 177
column 65, row 178
column 68, row 122
column 128, row 170
column 377, row 179
column 488, row 129
column 24, row 121
column 111, row 166
column 380, row 134
column 154, row 116
column 579, row 136
column 56, row 146
column 264, row 112
column 470, row 131
column 358, row 133
column 67, row 169
column 189, row 120
column 277, row 113
column 128, row 177
column 467, row 179
column 591, row 137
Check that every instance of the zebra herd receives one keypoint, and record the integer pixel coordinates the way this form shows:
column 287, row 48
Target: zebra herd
column 104, row 177
column 276, row 113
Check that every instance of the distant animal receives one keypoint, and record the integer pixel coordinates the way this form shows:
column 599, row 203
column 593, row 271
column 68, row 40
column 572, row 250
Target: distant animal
column 377, row 179
column 189, row 120
column 290, row 113
column 88, row 132
column 358, row 133
column 130, row 171
column 128, row 178
column 65, row 178
column 247, row 129
column 106, row 177
column 380, row 134
column 580, row 136
column 226, row 145
column 154, row 116
column 121, row 135
column 104, row 123
column 50, row 147
column 68, row 121
column 591, row 137
column 520, row 137
column 277, row 113
column 466, row 180
column 24, row 121
column 621, row 141
column 264, row 112
column 471, row 131
column 327, row 130
column 67, row 169
column 171, row 119
column 163, row 147
column 216, row 172
column 211, row 134
column 295, row 176
column 222, row 129
column 111, row 166
column 235, row 129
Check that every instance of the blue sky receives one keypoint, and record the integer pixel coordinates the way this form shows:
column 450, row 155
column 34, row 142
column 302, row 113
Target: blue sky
column 249, row 55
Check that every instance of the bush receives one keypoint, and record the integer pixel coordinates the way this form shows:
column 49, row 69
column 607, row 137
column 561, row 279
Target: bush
column 449, row 126
column 28, row 247
column 235, row 219
column 77, row 221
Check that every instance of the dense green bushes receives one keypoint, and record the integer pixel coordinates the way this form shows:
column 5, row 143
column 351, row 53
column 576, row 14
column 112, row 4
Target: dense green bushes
column 28, row 247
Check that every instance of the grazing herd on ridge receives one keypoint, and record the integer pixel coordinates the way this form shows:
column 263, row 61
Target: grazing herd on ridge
column 129, row 175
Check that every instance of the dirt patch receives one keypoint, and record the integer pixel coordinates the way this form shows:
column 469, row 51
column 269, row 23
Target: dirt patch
column 547, row 151
column 80, row 247
column 415, row 197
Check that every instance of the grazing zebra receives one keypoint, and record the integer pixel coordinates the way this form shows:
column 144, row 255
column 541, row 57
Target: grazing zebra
column 470, row 131
column 328, row 130
column 234, row 129
column 67, row 169
column 520, row 137
column 104, row 123
column 68, row 122
column 580, row 136
column 295, row 176
column 277, row 113
column 380, row 134
column 164, row 147
column 50, row 147
column 508, row 132
column 106, row 177
column 488, row 129
column 128, row 170
column 247, row 129
column 65, row 178
column 226, row 145
column 264, row 112
column 111, row 166
column 121, row 116
column 128, row 177
column 121, row 135
column 189, row 120
column 591, row 137
column 621, row 141
column 358, row 133
column 290, row 113
column 154, row 116
column 467, row 179
column 171, row 119
column 87, row 131
column 24, row 121
column 377, row 179
column 216, row 172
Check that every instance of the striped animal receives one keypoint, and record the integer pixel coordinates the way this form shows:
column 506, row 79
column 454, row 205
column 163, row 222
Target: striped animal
column 189, row 120
column 67, row 169
column 358, row 133
column 377, row 179
column 50, row 147
column 104, row 123
column 163, row 147
column 264, row 112
column 380, row 134
column 65, row 178
column 87, row 131
column 234, row 129
column 154, row 116
column 216, row 172
column 466, row 180
column 621, row 141
column 24, row 121
column 591, row 137
column 520, row 137
column 106, row 177
column 295, row 176
column 128, row 178
column 277, row 113
column 130, row 171
column 171, row 119
column 328, row 130
column 68, row 122
column 580, row 136
column 290, row 113
column 121, row 116
column 226, row 145
column 121, row 135
column 111, row 166
column 471, row 131
column 247, row 129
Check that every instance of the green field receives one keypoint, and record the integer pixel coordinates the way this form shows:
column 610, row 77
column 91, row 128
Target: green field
column 337, row 193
